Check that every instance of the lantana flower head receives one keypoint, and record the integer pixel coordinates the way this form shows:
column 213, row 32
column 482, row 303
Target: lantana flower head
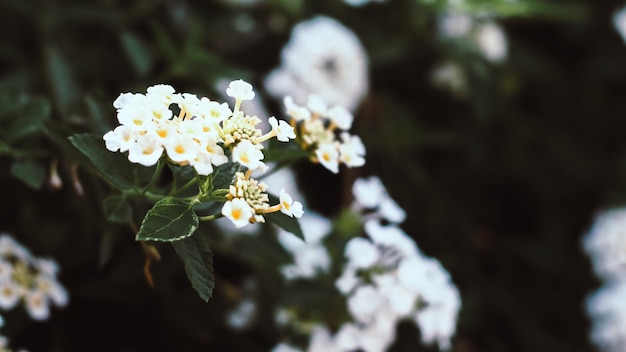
column 191, row 131
column 28, row 280
column 323, row 131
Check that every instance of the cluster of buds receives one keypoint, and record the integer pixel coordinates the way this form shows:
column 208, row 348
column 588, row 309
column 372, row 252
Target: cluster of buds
column 247, row 202
column 28, row 280
column 202, row 134
column 324, row 132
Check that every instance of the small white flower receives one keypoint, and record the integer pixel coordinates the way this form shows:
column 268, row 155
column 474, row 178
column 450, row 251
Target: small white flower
column 364, row 303
column 145, row 151
column 341, row 117
column 288, row 206
column 240, row 90
column 248, row 155
column 10, row 247
column 297, row 112
column 391, row 211
column 10, row 294
column 125, row 99
column 37, row 305
column 215, row 111
column 121, row 138
column 160, row 90
column 348, row 280
column 283, row 130
column 137, row 117
column 361, row 253
column 238, row 211
column 368, row 192
column 351, row 150
column 328, row 156
column 317, row 105
column 182, row 149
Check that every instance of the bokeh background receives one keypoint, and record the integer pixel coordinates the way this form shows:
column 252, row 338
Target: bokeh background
column 500, row 175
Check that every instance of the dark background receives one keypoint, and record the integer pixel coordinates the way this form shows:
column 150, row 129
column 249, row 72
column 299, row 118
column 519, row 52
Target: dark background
column 499, row 184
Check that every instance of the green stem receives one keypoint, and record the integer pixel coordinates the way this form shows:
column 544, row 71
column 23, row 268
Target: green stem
column 155, row 176
column 210, row 217
column 185, row 186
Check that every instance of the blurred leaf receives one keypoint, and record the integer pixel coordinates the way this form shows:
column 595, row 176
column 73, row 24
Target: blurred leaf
column 61, row 79
column 138, row 53
column 115, row 167
column 117, row 209
column 97, row 114
column 197, row 258
column 171, row 219
column 30, row 120
column 561, row 11
column 30, row 172
column 166, row 44
column 4, row 147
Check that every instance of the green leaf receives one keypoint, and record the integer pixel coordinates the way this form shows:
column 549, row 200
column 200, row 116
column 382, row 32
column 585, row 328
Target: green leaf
column 197, row 258
column 137, row 52
column 285, row 222
column 224, row 175
column 30, row 172
column 170, row 219
column 115, row 167
column 117, row 209
column 30, row 120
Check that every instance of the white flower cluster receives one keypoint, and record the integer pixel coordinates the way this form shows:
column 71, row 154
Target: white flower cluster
column 605, row 243
column 485, row 34
column 322, row 57
column 318, row 126
column 197, row 136
column 387, row 279
column 28, row 280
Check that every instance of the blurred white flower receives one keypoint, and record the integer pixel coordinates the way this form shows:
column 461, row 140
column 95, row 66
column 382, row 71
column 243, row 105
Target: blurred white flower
column 284, row 347
column 29, row 280
column 605, row 243
column 492, row 41
column 310, row 256
column 358, row 3
column 619, row 22
column 607, row 310
column 242, row 316
column 452, row 24
column 322, row 57
column 450, row 76
column 370, row 193
column 483, row 33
